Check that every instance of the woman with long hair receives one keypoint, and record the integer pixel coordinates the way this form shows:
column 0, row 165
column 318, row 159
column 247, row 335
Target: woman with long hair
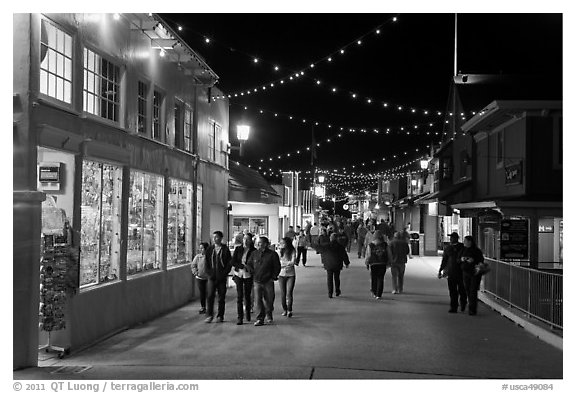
column 243, row 277
column 378, row 258
column 470, row 257
column 287, row 276
column 199, row 271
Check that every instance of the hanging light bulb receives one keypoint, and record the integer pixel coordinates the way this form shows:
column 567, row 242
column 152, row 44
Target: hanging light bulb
column 276, row 68
column 359, row 42
column 341, row 51
column 378, row 31
column 255, row 60
column 394, row 19
column 116, row 16
column 162, row 53
column 317, row 82
column 329, row 59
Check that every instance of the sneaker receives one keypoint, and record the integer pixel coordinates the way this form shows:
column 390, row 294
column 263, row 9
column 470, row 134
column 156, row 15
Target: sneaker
column 209, row 319
column 463, row 307
column 269, row 321
column 471, row 312
column 378, row 298
column 259, row 322
column 202, row 311
column 289, row 314
column 240, row 322
column 330, row 295
column 248, row 317
column 452, row 311
column 285, row 313
column 394, row 292
column 219, row 319
column 338, row 293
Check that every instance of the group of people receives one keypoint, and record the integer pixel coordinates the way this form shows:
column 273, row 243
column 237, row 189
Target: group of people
column 255, row 268
column 463, row 266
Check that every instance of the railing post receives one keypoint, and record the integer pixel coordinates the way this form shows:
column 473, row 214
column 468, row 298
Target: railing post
column 529, row 291
column 552, row 301
column 510, row 288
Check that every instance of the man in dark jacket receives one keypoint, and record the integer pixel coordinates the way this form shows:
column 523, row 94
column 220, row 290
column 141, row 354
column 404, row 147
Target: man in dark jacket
column 450, row 267
column 265, row 267
column 333, row 256
column 218, row 265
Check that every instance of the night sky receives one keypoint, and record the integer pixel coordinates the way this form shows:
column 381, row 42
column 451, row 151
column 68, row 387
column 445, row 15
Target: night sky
column 409, row 63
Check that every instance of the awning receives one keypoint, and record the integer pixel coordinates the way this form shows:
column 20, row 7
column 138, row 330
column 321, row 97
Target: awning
column 430, row 198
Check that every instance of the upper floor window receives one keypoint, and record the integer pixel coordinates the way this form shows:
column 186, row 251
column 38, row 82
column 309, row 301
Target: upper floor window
column 187, row 128
column 212, row 142
column 56, row 62
column 500, row 147
column 142, row 107
column 178, row 124
column 156, row 114
column 101, row 86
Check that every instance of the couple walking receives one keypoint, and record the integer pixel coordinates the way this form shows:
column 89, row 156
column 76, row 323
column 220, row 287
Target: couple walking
column 380, row 256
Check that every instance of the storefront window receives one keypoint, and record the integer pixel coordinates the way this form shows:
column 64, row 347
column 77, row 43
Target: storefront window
column 179, row 222
column 198, row 214
column 255, row 225
column 145, row 219
column 100, row 224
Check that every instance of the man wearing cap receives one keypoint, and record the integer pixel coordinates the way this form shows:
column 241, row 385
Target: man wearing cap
column 450, row 267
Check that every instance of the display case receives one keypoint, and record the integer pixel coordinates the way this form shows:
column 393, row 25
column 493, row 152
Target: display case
column 179, row 231
column 145, row 219
column 101, row 203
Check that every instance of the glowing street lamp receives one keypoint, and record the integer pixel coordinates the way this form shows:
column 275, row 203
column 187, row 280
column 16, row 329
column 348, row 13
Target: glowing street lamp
column 243, row 133
column 321, row 179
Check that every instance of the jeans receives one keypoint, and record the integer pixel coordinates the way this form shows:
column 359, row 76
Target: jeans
column 213, row 286
column 361, row 250
column 302, row 251
column 377, row 273
column 457, row 290
column 472, row 284
column 202, row 289
column 398, row 276
column 333, row 279
column 264, row 293
column 286, row 291
column 244, row 299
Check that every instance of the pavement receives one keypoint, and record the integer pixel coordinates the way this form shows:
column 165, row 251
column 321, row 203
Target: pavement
column 353, row 336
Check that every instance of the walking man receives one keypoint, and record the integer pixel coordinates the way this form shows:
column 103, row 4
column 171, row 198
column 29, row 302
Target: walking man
column 218, row 266
column 450, row 267
column 334, row 257
column 265, row 265
column 400, row 254
column 361, row 233
column 314, row 233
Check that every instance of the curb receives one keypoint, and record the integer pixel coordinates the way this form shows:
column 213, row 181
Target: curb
column 541, row 333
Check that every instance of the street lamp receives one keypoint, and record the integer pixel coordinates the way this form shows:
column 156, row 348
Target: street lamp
column 424, row 163
column 243, row 133
column 321, row 179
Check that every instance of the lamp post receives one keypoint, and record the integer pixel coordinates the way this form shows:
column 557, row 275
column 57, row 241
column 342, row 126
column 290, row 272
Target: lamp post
column 243, row 133
column 334, row 200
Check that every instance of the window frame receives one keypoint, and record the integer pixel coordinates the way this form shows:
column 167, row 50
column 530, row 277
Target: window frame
column 212, row 142
column 161, row 116
column 179, row 113
column 119, row 83
column 188, row 144
column 146, row 102
column 72, row 35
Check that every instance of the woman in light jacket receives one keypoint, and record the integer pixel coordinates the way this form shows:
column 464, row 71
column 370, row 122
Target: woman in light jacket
column 199, row 270
column 287, row 276
column 243, row 277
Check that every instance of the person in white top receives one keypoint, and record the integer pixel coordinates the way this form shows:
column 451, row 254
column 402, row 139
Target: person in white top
column 243, row 277
column 199, row 270
column 287, row 276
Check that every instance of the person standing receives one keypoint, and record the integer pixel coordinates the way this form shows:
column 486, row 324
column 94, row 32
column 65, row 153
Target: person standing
column 314, row 233
column 348, row 232
column 450, row 267
column 400, row 254
column 323, row 239
column 369, row 237
column 265, row 265
column 243, row 278
column 198, row 267
column 219, row 264
column 470, row 257
column 302, row 247
column 287, row 276
column 291, row 234
column 334, row 257
column 378, row 258
column 361, row 233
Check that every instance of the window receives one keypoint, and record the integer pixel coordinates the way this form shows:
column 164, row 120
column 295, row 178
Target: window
column 101, row 86
column 178, row 125
column 199, row 213
column 500, row 148
column 212, row 142
column 56, row 62
column 142, row 107
column 100, row 222
column 187, row 129
column 145, row 215
column 179, row 222
column 156, row 114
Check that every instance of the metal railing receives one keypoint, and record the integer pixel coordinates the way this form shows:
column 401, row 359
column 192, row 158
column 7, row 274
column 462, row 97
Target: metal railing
column 537, row 293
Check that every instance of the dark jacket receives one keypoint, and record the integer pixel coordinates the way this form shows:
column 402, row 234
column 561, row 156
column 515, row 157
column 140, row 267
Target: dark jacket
column 471, row 252
column 237, row 257
column 218, row 265
column 451, row 261
column 264, row 265
column 400, row 251
column 378, row 254
column 333, row 256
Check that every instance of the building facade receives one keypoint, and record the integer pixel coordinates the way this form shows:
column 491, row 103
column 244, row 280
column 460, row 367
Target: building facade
column 114, row 129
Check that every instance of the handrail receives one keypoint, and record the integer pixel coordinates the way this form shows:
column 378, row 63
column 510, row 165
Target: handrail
column 536, row 293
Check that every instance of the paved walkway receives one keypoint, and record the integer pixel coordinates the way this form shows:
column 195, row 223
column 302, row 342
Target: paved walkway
column 354, row 336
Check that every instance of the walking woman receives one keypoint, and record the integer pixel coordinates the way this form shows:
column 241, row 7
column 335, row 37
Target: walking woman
column 470, row 257
column 378, row 258
column 302, row 243
column 243, row 278
column 199, row 271
column 287, row 276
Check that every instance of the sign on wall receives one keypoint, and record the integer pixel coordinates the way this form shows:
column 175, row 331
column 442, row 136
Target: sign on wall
column 514, row 238
column 513, row 173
